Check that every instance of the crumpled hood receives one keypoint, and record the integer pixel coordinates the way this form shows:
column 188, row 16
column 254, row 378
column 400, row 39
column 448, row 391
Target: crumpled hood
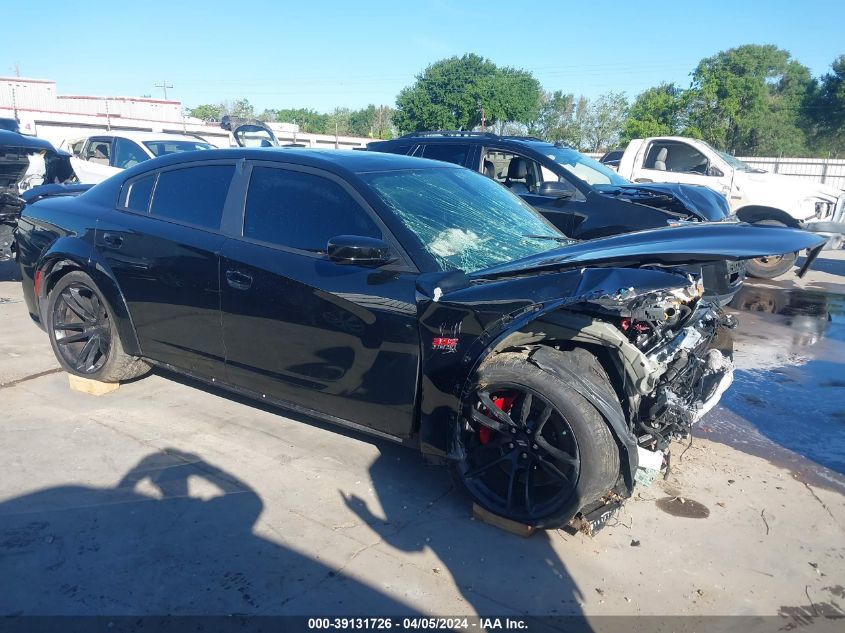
column 691, row 244
column 707, row 205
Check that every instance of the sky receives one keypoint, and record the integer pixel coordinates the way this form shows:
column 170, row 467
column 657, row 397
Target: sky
column 326, row 53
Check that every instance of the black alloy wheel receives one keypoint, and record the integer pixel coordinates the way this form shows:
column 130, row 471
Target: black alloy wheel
column 81, row 328
column 523, row 460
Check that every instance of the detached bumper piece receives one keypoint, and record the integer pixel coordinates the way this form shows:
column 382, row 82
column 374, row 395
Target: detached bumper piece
column 833, row 231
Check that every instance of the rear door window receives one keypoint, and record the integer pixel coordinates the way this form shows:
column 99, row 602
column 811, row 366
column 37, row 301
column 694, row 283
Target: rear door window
column 455, row 153
column 193, row 195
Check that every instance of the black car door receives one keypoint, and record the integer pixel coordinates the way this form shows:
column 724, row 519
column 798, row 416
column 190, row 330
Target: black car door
column 338, row 339
column 162, row 245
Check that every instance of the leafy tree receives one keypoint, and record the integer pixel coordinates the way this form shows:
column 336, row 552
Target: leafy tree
column 601, row 121
column 240, row 108
column 372, row 121
column 307, row 119
column 658, row 111
column 748, row 100
column 556, row 119
column 453, row 92
column 825, row 109
column 339, row 122
column 207, row 112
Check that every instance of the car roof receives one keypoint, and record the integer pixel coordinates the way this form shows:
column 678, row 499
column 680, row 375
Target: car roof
column 142, row 137
column 469, row 139
column 335, row 160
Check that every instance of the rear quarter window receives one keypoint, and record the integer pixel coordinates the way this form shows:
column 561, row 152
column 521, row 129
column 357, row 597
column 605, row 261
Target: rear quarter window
column 138, row 194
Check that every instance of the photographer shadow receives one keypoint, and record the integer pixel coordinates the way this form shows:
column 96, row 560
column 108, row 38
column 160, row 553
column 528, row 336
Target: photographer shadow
column 151, row 546
column 494, row 571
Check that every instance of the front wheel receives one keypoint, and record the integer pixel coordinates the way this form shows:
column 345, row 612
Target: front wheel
column 770, row 266
column 83, row 334
column 535, row 450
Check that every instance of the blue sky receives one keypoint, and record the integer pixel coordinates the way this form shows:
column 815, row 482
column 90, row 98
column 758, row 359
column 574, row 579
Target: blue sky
column 327, row 53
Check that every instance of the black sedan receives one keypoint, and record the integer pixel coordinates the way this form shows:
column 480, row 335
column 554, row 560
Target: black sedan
column 410, row 298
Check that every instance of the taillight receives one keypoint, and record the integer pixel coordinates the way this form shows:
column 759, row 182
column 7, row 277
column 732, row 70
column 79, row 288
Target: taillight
column 37, row 282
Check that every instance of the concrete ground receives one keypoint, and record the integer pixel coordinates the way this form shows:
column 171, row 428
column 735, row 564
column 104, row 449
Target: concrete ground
column 168, row 498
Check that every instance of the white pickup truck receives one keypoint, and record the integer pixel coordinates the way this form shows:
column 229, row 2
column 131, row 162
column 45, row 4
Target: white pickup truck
column 754, row 195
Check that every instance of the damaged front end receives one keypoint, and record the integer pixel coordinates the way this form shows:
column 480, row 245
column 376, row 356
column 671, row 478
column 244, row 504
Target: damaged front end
column 683, row 341
column 25, row 162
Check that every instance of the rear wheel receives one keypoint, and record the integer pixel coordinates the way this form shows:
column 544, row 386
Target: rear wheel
column 536, row 451
column 770, row 266
column 82, row 331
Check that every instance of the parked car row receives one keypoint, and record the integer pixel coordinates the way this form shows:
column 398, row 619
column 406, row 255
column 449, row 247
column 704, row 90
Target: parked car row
column 754, row 195
column 581, row 197
column 410, row 298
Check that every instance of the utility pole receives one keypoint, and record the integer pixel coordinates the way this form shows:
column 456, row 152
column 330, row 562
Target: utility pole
column 164, row 86
column 483, row 117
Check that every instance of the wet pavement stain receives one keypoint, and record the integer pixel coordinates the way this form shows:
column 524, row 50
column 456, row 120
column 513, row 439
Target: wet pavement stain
column 786, row 403
column 682, row 507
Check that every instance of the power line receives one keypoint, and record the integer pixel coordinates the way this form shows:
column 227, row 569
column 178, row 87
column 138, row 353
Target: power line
column 164, row 86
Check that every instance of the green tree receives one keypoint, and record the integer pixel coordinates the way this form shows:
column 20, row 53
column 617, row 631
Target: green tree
column 601, row 121
column 307, row 119
column 207, row 112
column 555, row 119
column 453, row 92
column 748, row 100
column 373, row 121
column 339, row 122
column 658, row 111
column 825, row 109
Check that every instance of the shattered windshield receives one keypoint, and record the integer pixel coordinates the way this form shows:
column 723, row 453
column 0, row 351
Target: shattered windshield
column 587, row 169
column 466, row 221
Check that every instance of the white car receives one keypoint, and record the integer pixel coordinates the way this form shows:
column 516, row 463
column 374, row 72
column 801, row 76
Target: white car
column 96, row 158
column 754, row 195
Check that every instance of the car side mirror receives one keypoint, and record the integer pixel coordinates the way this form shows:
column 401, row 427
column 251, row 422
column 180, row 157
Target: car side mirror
column 357, row 249
column 555, row 190
column 714, row 171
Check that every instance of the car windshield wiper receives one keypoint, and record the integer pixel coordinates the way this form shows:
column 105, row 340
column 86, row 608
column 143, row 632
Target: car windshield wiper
column 556, row 238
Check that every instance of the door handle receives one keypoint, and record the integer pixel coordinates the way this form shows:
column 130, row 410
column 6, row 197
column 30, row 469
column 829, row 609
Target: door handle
column 238, row 280
column 113, row 240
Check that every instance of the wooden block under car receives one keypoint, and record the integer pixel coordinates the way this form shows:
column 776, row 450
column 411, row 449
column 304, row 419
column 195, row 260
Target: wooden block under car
column 514, row 527
column 91, row 387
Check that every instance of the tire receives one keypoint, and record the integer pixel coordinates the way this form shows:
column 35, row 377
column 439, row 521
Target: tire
column 540, row 497
column 95, row 350
column 773, row 265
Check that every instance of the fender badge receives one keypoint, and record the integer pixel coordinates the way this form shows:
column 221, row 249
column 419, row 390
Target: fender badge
column 443, row 343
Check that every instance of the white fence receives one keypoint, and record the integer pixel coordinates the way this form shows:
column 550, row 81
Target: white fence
column 830, row 171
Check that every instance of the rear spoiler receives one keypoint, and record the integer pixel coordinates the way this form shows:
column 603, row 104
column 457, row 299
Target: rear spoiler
column 52, row 191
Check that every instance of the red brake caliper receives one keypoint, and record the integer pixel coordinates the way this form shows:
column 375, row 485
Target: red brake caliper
column 485, row 434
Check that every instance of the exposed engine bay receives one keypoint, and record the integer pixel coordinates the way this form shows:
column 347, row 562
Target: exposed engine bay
column 683, row 338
